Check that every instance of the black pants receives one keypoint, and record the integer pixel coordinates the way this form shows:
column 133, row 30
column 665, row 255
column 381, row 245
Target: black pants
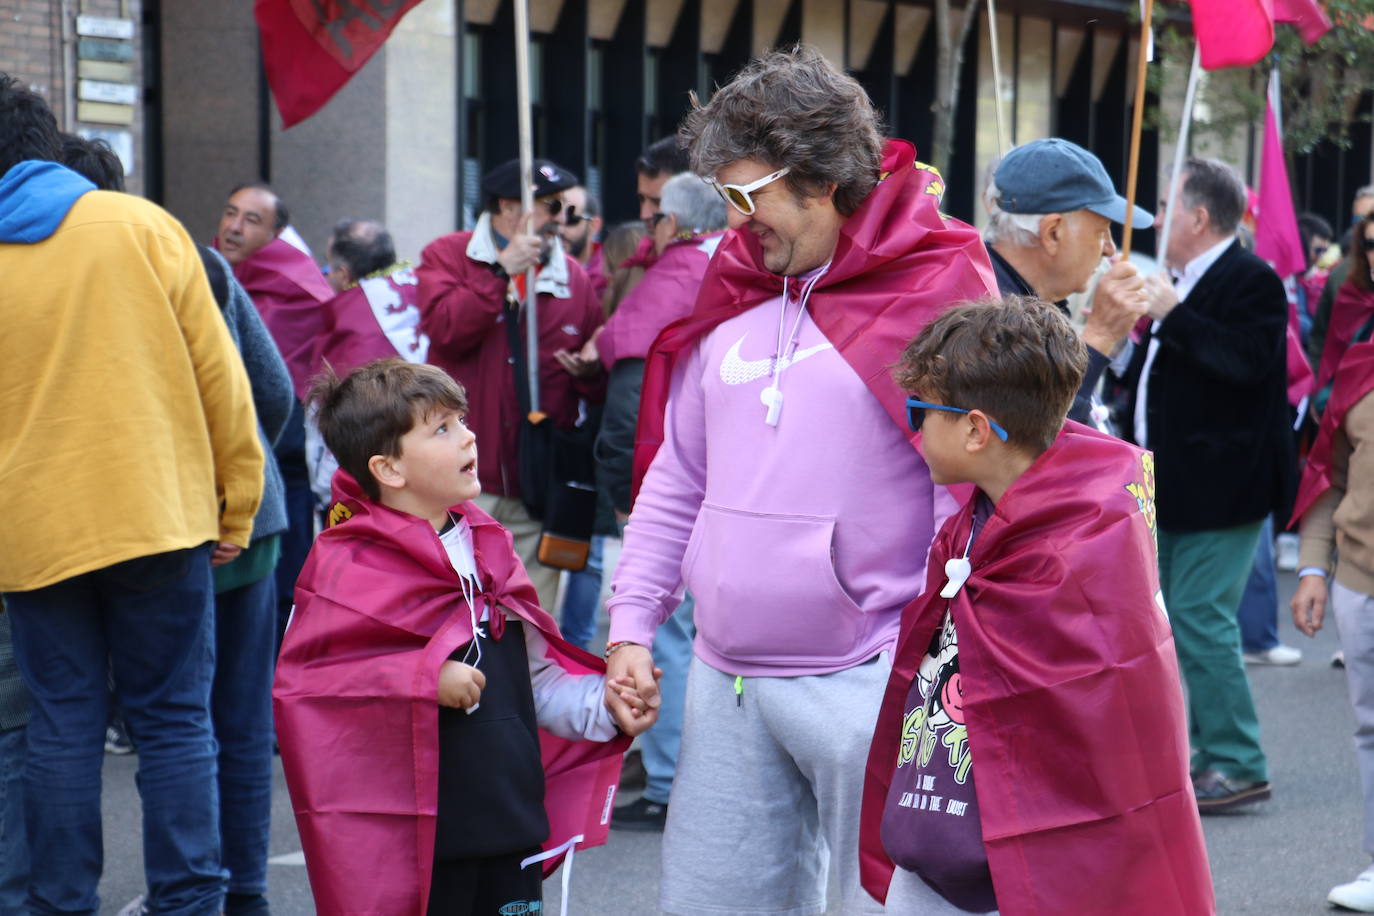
column 495, row 886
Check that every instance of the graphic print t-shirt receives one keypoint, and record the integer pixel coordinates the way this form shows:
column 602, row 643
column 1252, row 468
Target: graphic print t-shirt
column 930, row 819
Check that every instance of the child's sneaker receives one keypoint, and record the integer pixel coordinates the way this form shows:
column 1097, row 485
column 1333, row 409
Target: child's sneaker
column 1358, row 895
column 117, row 740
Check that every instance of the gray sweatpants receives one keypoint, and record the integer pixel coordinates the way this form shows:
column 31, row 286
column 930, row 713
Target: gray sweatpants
column 1354, row 615
column 768, row 788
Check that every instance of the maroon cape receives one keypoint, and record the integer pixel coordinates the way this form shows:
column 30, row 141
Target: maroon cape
column 378, row 610
column 899, row 263
column 1352, row 308
column 666, row 293
column 1071, row 693
column 351, row 336
column 1354, row 378
column 288, row 289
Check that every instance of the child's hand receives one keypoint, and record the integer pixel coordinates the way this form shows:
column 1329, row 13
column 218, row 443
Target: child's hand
column 460, row 685
column 632, row 714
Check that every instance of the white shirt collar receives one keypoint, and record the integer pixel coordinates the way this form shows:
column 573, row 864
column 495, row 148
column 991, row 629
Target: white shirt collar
column 552, row 279
column 1194, row 269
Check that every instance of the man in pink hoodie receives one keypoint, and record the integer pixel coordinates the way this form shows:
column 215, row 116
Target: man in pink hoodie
column 785, row 490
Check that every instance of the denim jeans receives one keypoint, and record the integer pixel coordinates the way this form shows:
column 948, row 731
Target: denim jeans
column 1259, row 605
column 659, row 745
column 150, row 619
column 583, row 598
column 14, row 844
column 241, row 705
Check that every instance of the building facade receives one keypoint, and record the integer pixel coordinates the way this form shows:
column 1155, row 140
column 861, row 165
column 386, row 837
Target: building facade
column 407, row 139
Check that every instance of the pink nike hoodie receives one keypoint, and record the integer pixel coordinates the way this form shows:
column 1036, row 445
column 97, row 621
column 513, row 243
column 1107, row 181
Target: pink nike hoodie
column 800, row 542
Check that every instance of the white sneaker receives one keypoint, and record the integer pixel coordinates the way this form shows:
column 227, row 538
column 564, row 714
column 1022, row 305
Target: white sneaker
column 1358, row 895
column 1286, row 552
column 1279, row 655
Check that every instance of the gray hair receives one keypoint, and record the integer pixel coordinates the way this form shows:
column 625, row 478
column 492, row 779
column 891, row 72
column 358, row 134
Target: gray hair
column 694, row 203
column 1217, row 188
column 792, row 108
column 1366, row 191
column 1018, row 230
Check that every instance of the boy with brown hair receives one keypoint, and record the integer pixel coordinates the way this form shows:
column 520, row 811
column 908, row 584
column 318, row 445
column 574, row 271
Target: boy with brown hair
column 1039, row 659
column 420, row 683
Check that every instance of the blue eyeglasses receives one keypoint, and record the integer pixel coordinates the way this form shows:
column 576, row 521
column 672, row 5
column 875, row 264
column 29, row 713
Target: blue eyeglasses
column 916, row 413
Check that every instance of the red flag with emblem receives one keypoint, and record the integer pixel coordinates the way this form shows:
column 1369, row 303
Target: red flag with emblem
column 310, row 48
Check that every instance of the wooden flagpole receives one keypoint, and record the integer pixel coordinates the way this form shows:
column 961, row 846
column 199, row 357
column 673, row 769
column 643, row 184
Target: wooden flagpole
column 526, row 130
column 1137, row 119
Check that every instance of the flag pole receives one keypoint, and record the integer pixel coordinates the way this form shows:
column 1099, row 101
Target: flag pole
column 526, row 131
column 996, row 77
column 1137, row 120
column 1180, row 151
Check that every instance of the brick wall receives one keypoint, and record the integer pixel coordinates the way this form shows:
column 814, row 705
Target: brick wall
column 33, row 48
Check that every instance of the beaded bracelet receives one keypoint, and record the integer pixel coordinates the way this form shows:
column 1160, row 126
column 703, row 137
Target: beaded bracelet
column 611, row 647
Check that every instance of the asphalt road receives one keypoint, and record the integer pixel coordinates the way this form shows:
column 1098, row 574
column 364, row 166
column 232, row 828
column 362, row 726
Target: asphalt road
column 1276, row 859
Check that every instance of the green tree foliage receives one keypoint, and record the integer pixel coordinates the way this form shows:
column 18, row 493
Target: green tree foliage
column 1322, row 85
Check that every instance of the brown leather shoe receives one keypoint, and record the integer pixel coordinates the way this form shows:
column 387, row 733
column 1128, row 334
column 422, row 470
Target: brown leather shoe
column 1217, row 792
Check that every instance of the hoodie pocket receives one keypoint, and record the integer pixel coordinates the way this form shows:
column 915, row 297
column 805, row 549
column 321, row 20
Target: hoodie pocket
column 765, row 585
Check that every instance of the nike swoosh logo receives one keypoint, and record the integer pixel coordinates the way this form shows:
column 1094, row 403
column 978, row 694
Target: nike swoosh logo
column 737, row 371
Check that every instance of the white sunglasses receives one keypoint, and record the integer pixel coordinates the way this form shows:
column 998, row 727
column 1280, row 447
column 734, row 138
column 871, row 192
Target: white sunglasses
column 737, row 195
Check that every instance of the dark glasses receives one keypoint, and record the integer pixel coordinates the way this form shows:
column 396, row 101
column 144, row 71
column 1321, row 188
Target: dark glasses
column 552, row 204
column 572, row 217
column 1367, row 244
column 916, row 414
column 737, row 195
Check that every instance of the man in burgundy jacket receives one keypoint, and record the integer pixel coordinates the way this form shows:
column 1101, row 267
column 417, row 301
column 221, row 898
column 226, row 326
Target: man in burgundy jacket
column 471, row 283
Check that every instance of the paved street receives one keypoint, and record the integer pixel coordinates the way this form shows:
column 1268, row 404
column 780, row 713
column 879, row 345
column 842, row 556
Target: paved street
column 1277, row 860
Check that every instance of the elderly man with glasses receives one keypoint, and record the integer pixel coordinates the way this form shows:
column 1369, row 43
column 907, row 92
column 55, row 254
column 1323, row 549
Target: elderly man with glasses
column 783, row 487
column 472, row 289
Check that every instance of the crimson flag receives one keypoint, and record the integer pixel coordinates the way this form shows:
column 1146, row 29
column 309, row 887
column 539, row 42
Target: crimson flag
column 1233, row 33
column 1307, row 16
column 310, row 48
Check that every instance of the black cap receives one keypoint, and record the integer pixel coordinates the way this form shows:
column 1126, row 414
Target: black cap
column 549, row 178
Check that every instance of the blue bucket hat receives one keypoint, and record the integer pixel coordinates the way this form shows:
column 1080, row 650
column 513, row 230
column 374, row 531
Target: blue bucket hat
column 1056, row 176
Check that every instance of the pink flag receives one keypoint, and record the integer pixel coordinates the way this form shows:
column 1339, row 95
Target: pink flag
column 1233, row 33
column 1276, row 225
column 1307, row 16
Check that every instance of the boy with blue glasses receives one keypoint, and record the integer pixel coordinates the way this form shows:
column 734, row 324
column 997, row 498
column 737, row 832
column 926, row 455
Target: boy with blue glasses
column 1039, row 661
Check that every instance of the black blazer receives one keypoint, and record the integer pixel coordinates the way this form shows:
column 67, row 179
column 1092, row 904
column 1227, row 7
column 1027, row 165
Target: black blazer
column 1217, row 414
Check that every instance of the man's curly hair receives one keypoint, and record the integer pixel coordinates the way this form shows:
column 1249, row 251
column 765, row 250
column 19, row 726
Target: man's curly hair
column 792, row 108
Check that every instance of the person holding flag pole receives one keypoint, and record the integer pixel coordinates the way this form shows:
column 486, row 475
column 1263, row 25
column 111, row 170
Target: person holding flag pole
column 1208, row 396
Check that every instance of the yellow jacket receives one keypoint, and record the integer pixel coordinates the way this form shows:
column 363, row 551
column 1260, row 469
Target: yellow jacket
column 126, row 419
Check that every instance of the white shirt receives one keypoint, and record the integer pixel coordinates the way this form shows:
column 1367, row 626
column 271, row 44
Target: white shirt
column 1184, row 283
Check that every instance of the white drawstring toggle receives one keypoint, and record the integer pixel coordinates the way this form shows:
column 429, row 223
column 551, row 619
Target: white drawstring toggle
column 569, row 847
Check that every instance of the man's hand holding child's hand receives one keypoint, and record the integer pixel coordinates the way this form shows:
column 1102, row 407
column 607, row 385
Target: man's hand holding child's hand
column 460, row 685
column 632, row 714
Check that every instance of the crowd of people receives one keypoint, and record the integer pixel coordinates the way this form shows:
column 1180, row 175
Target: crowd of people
column 873, row 501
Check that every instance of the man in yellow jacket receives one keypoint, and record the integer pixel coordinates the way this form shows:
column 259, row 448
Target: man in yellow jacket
column 129, row 463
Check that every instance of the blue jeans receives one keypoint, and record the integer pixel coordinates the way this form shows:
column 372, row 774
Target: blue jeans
column 659, row 745
column 14, row 844
column 1259, row 605
column 150, row 620
column 583, row 598
column 241, row 705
